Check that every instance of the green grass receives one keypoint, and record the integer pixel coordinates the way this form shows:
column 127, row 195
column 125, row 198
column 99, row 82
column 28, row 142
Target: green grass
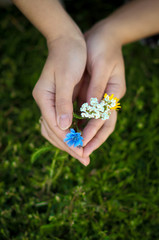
column 46, row 194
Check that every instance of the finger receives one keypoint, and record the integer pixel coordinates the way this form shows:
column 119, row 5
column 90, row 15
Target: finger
column 102, row 135
column 96, row 88
column 64, row 105
column 91, row 129
column 59, row 134
column 44, row 93
column 48, row 112
column 55, row 141
column 77, row 151
column 99, row 77
column 44, row 133
column 116, row 84
column 82, row 95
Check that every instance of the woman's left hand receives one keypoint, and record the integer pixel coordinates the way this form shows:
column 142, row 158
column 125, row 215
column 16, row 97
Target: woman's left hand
column 105, row 73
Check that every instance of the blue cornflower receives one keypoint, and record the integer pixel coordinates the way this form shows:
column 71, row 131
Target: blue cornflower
column 74, row 138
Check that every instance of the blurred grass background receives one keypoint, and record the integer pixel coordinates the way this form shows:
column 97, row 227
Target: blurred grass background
column 46, row 194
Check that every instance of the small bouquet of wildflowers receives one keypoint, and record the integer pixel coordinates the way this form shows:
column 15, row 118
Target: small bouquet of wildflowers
column 94, row 110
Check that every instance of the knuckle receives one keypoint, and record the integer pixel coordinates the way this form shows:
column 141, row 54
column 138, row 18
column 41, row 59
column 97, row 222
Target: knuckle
column 104, row 63
column 101, row 62
column 118, row 89
column 63, row 105
column 61, row 101
column 98, row 90
column 67, row 75
column 114, row 87
column 36, row 94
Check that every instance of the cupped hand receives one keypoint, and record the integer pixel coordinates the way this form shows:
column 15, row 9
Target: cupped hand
column 57, row 87
column 105, row 73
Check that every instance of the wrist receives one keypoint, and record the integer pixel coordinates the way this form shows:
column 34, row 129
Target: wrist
column 105, row 33
column 71, row 36
column 63, row 27
column 111, row 32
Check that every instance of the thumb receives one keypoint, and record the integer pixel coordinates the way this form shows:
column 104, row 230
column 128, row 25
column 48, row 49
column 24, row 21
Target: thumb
column 64, row 105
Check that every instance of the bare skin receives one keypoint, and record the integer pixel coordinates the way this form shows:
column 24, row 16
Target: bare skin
column 98, row 54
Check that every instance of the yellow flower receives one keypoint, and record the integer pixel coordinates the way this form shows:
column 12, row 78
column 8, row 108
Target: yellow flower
column 117, row 106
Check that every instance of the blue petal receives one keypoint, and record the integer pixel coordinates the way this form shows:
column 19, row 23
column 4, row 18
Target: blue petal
column 81, row 143
column 72, row 130
column 77, row 143
column 73, row 138
column 67, row 139
column 70, row 143
column 69, row 135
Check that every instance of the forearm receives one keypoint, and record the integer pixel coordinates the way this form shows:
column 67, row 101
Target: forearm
column 133, row 21
column 49, row 17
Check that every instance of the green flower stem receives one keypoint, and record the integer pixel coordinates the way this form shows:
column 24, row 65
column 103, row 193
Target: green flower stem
column 77, row 116
column 75, row 125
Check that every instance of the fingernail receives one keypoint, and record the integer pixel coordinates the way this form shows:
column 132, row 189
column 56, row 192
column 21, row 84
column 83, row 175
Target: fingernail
column 64, row 121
